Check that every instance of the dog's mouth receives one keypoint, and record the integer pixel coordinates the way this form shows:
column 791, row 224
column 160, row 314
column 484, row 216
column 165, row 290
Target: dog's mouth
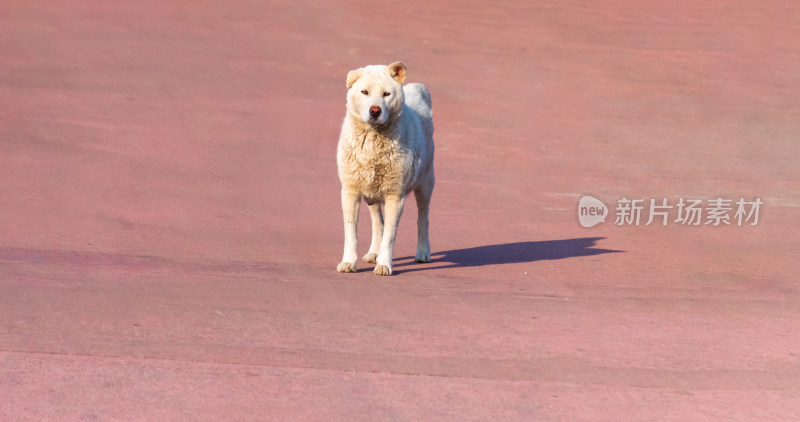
column 375, row 120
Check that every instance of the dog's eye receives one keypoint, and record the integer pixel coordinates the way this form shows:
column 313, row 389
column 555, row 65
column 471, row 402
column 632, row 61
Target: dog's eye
column 386, row 94
column 365, row 92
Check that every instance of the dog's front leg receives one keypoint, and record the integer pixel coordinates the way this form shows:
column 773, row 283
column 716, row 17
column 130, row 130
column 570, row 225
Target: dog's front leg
column 393, row 209
column 351, row 201
column 377, row 232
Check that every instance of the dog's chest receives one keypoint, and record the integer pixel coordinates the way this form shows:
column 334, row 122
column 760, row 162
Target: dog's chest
column 375, row 165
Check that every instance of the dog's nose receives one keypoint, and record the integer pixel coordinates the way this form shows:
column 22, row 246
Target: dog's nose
column 375, row 111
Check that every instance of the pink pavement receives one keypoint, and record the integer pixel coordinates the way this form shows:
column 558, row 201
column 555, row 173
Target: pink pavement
column 170, row 221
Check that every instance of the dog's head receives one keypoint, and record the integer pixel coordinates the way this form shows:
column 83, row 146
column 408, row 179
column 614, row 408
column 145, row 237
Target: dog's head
column 375, row 93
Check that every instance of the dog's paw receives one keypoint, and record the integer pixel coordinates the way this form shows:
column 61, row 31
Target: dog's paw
column 423, row 256
column 346, row 267
column 370, row 258
column 382, row 270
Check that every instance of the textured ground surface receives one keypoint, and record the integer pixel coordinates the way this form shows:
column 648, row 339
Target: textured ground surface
column 170, row 219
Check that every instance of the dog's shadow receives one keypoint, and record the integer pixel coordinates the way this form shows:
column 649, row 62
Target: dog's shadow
column 508, row 253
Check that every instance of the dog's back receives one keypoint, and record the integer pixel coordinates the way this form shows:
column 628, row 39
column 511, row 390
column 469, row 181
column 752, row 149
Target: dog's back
column 417, row 130
column 419, row 99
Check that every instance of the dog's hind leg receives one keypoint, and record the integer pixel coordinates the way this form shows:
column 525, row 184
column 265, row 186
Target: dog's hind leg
column 377, row 233
column 393, row 209
column 351, row 201
column 423, row 196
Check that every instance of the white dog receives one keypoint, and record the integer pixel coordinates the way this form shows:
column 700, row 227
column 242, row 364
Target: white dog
column 385, row 152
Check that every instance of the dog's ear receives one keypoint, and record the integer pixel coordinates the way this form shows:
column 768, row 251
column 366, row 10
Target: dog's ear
column 353, row 75
column 397, row 71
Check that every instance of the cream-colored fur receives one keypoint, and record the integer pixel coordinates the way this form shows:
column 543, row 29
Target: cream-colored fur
column 385, row 151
